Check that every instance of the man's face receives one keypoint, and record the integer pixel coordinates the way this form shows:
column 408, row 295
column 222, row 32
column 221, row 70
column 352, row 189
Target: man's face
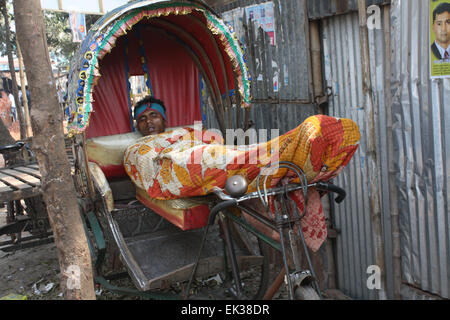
column 151, row 122
column 441, row 28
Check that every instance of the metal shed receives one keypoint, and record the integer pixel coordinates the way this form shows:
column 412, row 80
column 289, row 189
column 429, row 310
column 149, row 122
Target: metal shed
column 397, row 212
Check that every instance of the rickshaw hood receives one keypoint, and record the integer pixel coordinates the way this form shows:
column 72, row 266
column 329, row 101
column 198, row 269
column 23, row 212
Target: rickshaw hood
column 85, row 69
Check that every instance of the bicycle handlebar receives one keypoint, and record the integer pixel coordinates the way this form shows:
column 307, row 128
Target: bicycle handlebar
column 285, row 189
column 218, row 207
column 333, row 188
column 13, row 147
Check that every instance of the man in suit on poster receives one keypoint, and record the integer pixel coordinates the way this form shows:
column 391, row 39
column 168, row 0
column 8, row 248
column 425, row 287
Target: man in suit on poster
column 441, row 28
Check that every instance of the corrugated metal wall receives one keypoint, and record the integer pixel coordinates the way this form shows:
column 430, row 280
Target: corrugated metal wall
column 421, row 128
column 411, row 129
column 413, row 139
column 318, row 9
column 343, row 72
column 280, row 73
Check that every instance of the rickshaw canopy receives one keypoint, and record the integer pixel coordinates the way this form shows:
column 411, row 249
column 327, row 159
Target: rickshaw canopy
column 174, row 45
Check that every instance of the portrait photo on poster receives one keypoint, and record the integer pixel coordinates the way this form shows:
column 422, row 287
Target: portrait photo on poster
column 440, row 38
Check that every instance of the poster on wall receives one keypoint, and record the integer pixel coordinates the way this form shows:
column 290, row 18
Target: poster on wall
column 263, row 16
column 78, row 25
column 440, row 39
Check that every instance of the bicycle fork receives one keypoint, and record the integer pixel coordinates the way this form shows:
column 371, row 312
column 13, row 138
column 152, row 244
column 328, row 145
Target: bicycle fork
column 284, row 224
column 237, row 289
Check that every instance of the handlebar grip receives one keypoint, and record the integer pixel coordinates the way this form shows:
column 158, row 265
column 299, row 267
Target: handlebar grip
column 333, row 188
column 13, row 147
column 218, row 207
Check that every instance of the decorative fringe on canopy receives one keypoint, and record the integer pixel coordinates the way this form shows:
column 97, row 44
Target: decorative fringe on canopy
column 100, row 43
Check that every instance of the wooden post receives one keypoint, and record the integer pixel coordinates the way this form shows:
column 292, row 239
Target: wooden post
column 12, row 69
column 101, row 7
column 316, row 60
column 373, row 172
column 24, row 92
column 393, row 192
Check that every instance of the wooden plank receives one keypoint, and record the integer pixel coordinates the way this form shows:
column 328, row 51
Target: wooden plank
column 4, row 187
column 23, row 181
column 7, row 195
column 14, row 183
column 34, row 166
column 24, row 177
column 20, row 194
column 31, row 171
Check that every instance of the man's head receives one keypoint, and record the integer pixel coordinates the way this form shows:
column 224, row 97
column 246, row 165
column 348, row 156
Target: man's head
column 150, row 116
column 441, row 24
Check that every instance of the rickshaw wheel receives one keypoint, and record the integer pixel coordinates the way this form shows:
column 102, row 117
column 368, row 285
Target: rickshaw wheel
column 255, row 279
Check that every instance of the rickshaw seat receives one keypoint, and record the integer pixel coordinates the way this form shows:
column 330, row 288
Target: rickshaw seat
column 186, row 213
column 105, row 156
column 107, row 152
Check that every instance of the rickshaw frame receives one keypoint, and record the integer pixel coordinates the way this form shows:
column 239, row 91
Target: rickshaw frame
column 94, row 206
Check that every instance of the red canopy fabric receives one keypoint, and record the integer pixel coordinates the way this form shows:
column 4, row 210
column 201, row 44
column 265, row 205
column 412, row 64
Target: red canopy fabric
column 174, row 78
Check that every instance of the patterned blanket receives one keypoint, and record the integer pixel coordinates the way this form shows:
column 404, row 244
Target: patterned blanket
column 187, row 162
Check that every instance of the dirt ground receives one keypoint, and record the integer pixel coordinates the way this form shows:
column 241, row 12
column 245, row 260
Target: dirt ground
column 26, row 271
column 35, row 273
column 32, row 272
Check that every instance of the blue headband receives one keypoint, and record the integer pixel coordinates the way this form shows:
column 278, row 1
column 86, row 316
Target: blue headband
column 153, row 106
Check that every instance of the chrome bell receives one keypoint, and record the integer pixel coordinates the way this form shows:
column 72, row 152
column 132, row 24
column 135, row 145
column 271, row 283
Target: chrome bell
column 236, row 186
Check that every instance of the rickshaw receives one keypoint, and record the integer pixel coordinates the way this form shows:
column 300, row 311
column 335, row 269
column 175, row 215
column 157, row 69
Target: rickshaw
column 193, row 62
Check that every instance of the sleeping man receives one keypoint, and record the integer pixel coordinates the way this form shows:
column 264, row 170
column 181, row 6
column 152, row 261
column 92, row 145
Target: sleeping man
column 150, row 116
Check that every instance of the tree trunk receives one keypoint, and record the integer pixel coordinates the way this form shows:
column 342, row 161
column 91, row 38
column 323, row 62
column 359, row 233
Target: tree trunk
column 5, row 136
column 48, row 143
column 12, row 70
